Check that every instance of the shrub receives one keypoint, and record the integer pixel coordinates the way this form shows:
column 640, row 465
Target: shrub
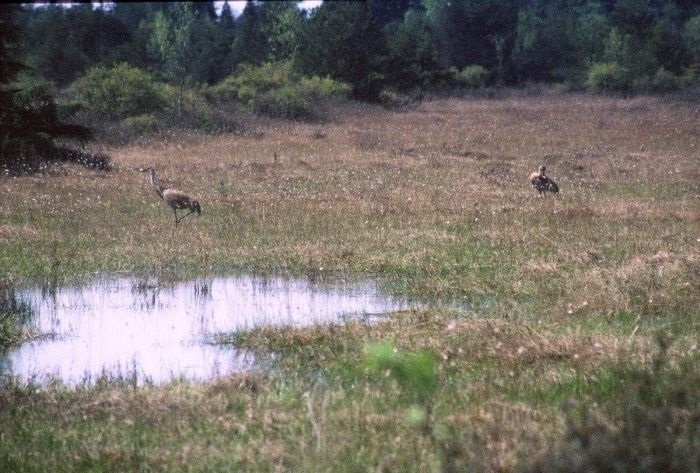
column 205, row 120
column 141, row 123
column 473, row 77
column 284, row 102
column 665, row 81
column 275, row 89
column 121, row 91
column 608, row 77
column 320, row 88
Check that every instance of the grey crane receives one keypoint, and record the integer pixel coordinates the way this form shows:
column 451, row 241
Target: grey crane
column 542, row 183
column 175, row 199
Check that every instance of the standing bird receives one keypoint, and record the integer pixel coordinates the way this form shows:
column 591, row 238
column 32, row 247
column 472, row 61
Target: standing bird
column 175, row 199
column 542, row 183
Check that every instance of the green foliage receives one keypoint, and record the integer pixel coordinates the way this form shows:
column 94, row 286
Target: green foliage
column 121, row 91
column 29, row 120
column 170, row 39
column 652, row 426
column 608, row 77
column 415, row 372
column 342, row 41
column 321, row 88
column 13, row 316
column 65, row 42
column 547, row 45
column 250, row 44
column 171, row 36
column 665, row 81
column 625, row 50
column 275, row 89
column 10, row 330
column 473, row 77
column 402, row 45
column 667, row 45
column 691, row 35
column 281, row 23
column 205, row 120
column 413, row 53
column 141, row 123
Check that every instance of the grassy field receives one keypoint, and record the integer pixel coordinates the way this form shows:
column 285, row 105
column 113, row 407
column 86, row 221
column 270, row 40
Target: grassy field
column 574, row 296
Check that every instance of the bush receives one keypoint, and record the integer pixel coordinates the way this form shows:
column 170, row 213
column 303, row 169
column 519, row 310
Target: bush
column 665, row 81
column 608, row 77
column 320, row 88
column 285, row 102
column 473, row 77
column 121, row 91
column 274, row 89
column 141, row 123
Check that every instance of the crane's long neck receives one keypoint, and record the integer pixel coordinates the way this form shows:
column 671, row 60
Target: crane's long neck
column 155, row 184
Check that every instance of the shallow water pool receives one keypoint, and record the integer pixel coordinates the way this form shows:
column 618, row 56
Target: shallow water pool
column 150, row 330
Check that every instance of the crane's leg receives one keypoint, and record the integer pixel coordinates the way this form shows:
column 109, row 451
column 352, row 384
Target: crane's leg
column 176, row 219
column 190, row 212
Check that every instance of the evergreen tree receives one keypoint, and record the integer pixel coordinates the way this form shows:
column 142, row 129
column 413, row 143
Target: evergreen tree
column 413, row 54
column 447, row 20
column 388, row 11
column 226, row 33
column 56, row 49
column 250, row 44
column 280, row 25
column 545, row 47
column 28, row 117
column 203, row 10
column 691, row 35
column 205, row 54
column 668, row 46
column 341, row 40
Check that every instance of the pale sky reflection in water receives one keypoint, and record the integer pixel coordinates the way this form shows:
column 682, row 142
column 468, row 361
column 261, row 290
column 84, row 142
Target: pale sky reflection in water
column 121, row 326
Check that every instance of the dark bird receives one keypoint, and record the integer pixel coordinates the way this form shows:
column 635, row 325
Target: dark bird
column 175, row 199
column 542, row 183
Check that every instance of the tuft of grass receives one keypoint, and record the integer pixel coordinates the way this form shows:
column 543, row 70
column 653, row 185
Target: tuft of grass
column 14, row 315
column 650, row 424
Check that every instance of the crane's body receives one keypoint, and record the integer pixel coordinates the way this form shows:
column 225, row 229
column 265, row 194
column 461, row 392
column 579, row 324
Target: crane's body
column 542, row 183
column 175, row 199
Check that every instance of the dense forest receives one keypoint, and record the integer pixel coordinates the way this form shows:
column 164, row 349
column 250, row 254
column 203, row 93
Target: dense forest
column 128, row 61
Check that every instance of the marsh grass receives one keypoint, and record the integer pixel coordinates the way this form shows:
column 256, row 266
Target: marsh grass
column 14, row 315
column 562, row 292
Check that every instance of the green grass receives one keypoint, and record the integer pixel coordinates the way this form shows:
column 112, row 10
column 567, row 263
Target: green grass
column 14, row 314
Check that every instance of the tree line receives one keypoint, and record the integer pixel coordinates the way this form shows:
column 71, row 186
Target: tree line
column 377, row 44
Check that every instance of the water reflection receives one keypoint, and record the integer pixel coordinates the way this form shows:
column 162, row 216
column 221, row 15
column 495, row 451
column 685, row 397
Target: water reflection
column 153, row 330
